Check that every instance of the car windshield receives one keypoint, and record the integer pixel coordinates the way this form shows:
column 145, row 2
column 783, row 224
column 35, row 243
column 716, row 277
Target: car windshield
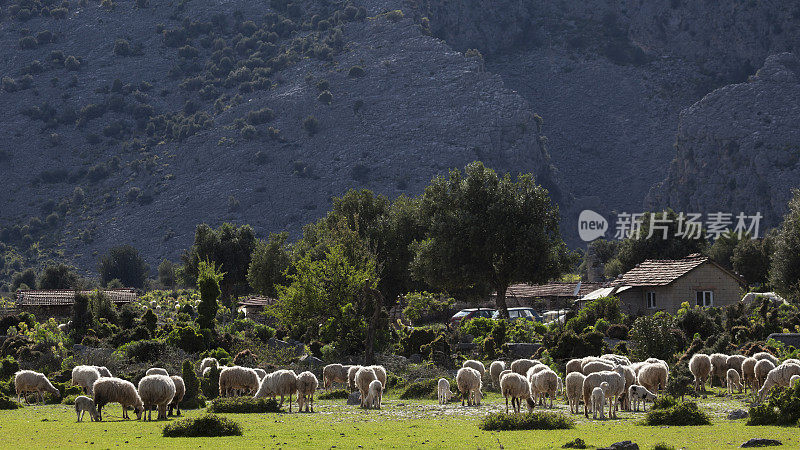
column 461, row 313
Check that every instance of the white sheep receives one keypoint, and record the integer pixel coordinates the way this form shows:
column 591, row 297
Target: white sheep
column 115, row 390
column 261, row 373
column 104, row 372
column 156, row 371
column 637, row 366
column 351, row 377
column 597, row 366
column 574, row 390
column 380, row 373
column 638, row 393
column 749, row 373
column 156, row 391
column 469, row 384
column 733, row 380
column 84, row 404
column 780, row 376
column 443, row 392
column 619, row 360
column 334, row 373
column 521, row 366
column 477, row 365
column 494, row 372
column 307, row 384
column 653, row 377
column 574, row 365
column 735, row 362
column 374, row 394
column 768, row 356
column 598, row 400
column 616, row 382
column 543, row 383
column 719, row 367
column 85, row 376
column 763, row 368
column 630, row 379
column 516, row 387
column 238, row 379
column 180, row 391
column 364, row 377
column 208, row 363
column 29, row 381
column 280, row 382
column 700, row 367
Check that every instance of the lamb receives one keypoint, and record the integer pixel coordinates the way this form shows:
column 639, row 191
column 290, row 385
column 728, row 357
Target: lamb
column 115, row 390
column 521, row 366
column 280, row 382
column 261, row 373
column 156, row 371
column 469, row 384
column 364, row 378
column 29, row 381
column 543, row 383
column 766, row 355
column 156, row 391
column 596, row 366
column 638, row 393
column 574, row 390
column 351, row 377
column 477, row 365
column 374, row 394
column 616, row 382
column 719, row 367
column 85, row 376
column 763, row 367
column 307, row 384
column 733, row 380
column 653, row 377
column 780, row 376
column 334, row 373
column 749, row 373
column 735, row 362
column 619, row 360
column 443, row 391
column 208, row 363
column 515, row 386
column 700, row 367
column 84, row 404
column 494, row 372
column 233, row 379
column 180, row 391
column 598, row 400
column 104, row 372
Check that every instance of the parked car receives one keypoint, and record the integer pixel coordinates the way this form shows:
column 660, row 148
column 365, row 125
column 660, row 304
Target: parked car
column 471, row 313
column 520, row 313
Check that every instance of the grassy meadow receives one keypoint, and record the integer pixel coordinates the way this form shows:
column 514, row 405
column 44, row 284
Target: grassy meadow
column 400, row 424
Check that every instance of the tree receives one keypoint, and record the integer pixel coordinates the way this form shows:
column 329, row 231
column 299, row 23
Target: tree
column 653, row 336
column 785, row 266
column 59, row 276
column 268, row 265
column 125, row 264
column 25, row 279
column 751, row 259
column 167, row 274
column 723, row 248
column 229, row 247
column 208, row 279
column 487, row 232
column 150, row 321
column 81, row 316
column 191, row 382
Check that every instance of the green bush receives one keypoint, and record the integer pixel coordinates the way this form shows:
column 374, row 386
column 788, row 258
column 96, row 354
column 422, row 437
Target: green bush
column 311, row 125
column 781, row 408
column 188, row 339
column 72, row 63
column 411, row 342
column 7, row 403
column 575, row 443
column 422, row 390
column 527, row 421
column 260, row 116
column 208, row 425
column 681, row 414
column 356, row 72
column 143, row 351
column 427, row 307
column 69, row 400
column 244, row 405
column 663, row 446
column 333, row 395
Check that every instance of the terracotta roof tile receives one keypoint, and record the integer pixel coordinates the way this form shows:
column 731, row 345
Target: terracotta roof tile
column 659, row 272
column 555, row 289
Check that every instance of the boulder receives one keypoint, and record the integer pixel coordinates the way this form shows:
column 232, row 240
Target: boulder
column 761, row 442
column 624, row 445
column 737, row 414
column 311, row 361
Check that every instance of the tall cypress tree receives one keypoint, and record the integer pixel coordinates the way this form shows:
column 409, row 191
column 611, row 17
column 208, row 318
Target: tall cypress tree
column 208, row 279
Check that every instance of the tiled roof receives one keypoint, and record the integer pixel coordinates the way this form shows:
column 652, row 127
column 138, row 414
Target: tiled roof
column 555, row 289
column 67, row 297
column 660, row 272
column 257, row 301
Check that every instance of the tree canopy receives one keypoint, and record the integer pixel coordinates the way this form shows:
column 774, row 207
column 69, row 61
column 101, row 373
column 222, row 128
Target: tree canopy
column 268, row 264
column 228, row 246
column 785, row 266
column 124, row 264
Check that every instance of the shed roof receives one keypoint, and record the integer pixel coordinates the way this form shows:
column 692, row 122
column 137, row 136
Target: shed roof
column 660, row 272
column 554, row 289
column 257, row 301
column 63, row 297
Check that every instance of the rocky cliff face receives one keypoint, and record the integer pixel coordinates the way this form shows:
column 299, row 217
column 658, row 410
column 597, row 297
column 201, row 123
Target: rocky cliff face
column 738, row 149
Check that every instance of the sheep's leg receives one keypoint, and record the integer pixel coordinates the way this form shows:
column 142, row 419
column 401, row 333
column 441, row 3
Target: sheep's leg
column 290, row 402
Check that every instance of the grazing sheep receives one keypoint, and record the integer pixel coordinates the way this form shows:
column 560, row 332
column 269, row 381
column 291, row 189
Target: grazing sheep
column 791, row 361
column 85, row 376
column 494, row 372
column 504, row 373
column 115, row 390
column 780, row 376
column 307, row 384
column 543, row 383
column 749, row 373
column 261, row 373
column 180, row 391
column 380, row 372
column 521, row 366
column 374, row 394
column 364, row 377
column 574, row 390
column 334, row 373
column 766, row 355
column 597, row 366
column 156, row 371
column 104, row 372
column 733, row 380
column 763, row 367
column 280, row 382
column 538, row 368
column 637, row 366
column 351, row 377
column 616, row 383
column 156, row 391
column 598, row 400
column 237, row 378
column 719, row 367
column 468, row 381
column 638, row 393
column 619, row 360
column 574, row 365
column 653, row 377
column 208, row 363
column 84, row 404
column 29, row 381
column 630, row 379
column 443, row 391
column 735, row 362
column 700, row 367
column 515, row 386
column 477, row 365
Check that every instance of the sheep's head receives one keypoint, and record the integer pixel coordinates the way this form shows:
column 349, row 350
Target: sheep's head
column 650, row 396
column 138, row 410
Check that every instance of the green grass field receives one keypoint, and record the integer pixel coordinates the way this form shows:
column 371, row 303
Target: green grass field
column 400, row 424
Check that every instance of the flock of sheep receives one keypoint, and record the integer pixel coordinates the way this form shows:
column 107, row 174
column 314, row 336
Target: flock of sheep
column 596, row 381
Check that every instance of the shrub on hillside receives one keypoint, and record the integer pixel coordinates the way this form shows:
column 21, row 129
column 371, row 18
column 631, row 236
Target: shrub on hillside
column 422, row 390
column 356, row 72
column 244, row 405
column 143, row 351
column 311, row 125
column 7, row 403
column 208, row 425
column 526, row 421
column 680, row 414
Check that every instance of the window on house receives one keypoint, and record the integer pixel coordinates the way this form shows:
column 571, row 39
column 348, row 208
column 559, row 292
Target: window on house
column 651, row 300
column 705, row 298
